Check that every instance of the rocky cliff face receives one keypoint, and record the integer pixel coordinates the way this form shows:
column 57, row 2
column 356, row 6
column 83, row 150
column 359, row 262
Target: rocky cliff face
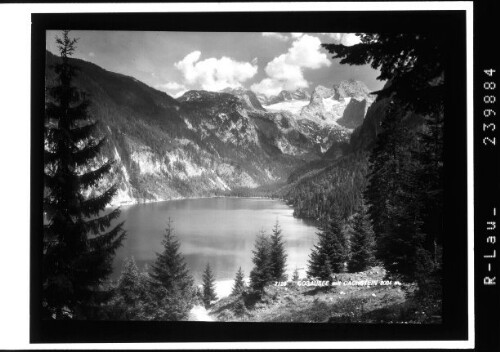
column 285, row 95
column 205, row 143
column 352, row 89
column 328, row 105
column 330, row 114
column 199, row 145
column 249, row 98
column 353, row 114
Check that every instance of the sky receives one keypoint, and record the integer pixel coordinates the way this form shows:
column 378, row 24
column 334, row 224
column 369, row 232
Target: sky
column 175, row 62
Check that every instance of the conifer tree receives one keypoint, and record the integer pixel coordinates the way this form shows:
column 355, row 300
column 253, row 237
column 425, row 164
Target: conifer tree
column 405, row 189
column 405, row 181
column 430, row 183
column 78, row 240
column 130, row 295
column 362, row 242
column 129, row 285
column 239, row 283
column 171, row 283
column 412, row 62
column 277, row 255
column 295, row 276
column 170, row 269
column 319, row 264
column 209, row 294
column 331, row 252
column 395, row 197
column 260, row 275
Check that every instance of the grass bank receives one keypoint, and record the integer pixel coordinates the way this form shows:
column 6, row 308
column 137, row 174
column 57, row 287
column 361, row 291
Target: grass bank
column 343, row 303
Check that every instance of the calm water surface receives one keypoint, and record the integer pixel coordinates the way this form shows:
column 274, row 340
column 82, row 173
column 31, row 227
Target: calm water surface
column 220, row 231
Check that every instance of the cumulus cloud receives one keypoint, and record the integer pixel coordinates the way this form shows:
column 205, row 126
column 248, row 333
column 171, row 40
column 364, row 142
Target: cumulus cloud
column 214, row 74
column 347, row 39
column 275, row 35
column 172, row 88
column 287, row 70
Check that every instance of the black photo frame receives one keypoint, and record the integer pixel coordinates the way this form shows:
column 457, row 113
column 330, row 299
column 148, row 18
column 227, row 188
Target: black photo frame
column 449, row 26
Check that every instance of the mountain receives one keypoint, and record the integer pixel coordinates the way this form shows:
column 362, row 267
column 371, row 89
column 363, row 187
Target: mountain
column 248, row 97
column 329, row 105
column 353, row 114
column 351, row 89
column 339, row 177
column 200, row 144
column 329, row 115
column 285, row 95
column 325, row 106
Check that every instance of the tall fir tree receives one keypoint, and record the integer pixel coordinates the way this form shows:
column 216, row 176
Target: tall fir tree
column 260, row 275
column 209, row 294
column 78, row 240
column 130, row 295
column 394, row 197
column 171, row 284
column 330, row 254
column 319, row 266
column 277, row 255
column 405, row 179
column 362, row 242
column 430, row 182
column 239, row 283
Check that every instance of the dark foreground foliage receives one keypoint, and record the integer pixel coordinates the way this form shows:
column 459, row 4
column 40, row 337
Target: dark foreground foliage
column 78, row 240
column 165, row 292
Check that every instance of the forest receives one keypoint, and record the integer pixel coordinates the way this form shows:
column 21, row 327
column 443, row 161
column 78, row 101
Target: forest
column 377, row 207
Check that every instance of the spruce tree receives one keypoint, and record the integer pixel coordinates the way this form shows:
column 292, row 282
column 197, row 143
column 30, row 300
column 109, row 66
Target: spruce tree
column 78, row 240
column 395, row 197
column 277, row 255
column 295, row 276
column 319, row 266
column 331, row 252
column 362, row 242
column 430, row 182
column 405, row 180
column 239, row 283
column 260, row 275
column 171, row 283
column 209, row 294
column 130, row 294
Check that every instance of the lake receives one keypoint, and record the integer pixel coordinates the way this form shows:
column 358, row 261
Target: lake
column 220, row 231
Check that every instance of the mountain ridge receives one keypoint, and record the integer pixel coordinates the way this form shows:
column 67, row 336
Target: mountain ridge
column 200, row 144
column 170, row 148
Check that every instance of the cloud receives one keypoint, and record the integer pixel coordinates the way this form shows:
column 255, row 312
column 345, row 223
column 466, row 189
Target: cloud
column 282, row 36
column 287, row 70
column 172, row 88
column 92, row 54
column 214, row 74
column 275, row 35
column 347, row 39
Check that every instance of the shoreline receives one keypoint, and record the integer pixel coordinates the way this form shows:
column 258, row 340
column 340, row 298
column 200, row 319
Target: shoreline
column 128, row 204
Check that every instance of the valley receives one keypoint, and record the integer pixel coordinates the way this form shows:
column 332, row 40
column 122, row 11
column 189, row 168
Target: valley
column 255, row 188
column 211, row 143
